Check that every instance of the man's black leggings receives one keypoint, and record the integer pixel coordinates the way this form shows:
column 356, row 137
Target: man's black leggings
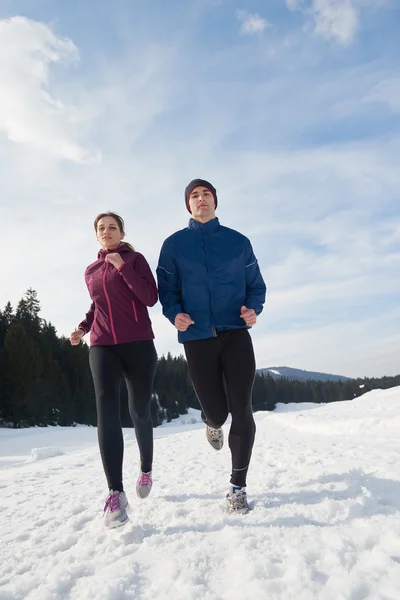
column 137, row 361
column 222, row 370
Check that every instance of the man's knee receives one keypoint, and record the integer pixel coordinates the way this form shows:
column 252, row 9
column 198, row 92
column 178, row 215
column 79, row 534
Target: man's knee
column 216, row 421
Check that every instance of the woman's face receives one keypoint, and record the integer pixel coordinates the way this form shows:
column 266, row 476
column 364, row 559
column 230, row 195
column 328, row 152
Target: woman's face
column 108, row 233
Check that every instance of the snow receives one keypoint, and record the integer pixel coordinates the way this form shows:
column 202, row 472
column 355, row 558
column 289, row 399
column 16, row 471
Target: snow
column 285, row 408
column 274, row 372
column 41, row 453
column 324, row 486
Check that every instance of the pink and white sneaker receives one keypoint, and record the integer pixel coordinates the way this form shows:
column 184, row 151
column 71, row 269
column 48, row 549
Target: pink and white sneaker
column 115, row 508
column 143, row 485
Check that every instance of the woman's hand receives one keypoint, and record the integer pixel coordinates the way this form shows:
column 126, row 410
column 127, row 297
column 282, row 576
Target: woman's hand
column 115, row 259
column 76, row 336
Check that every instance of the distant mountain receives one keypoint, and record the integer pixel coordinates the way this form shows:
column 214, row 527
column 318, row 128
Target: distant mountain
column 300, row 374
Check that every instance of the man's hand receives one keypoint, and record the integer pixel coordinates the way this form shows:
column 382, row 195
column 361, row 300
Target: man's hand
column 182, row 321
column 115, row 259
column 248, row 315
column 76, row 336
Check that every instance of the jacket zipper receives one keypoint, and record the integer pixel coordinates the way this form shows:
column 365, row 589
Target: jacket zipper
column 213, row 328
column 109, row 304
column 134, row 310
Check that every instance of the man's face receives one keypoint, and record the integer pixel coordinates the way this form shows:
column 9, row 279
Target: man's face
column 202, row 204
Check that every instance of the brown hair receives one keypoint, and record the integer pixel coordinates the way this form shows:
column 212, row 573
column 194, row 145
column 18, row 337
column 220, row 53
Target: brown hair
column 120, row 223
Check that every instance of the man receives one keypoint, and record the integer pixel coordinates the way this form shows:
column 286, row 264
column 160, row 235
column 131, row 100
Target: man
column 211, row 289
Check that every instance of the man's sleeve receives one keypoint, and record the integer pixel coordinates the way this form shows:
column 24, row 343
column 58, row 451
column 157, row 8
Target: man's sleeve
column 169, row 282
column 255, row 286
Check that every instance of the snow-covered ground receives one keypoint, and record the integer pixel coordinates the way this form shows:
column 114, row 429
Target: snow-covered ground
column 325, row 525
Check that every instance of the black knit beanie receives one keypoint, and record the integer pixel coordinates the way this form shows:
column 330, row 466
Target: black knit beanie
column 199, row 182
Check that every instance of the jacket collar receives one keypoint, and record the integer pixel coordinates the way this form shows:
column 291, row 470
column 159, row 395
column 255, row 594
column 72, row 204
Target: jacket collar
column 208, row 227
column 121, row 249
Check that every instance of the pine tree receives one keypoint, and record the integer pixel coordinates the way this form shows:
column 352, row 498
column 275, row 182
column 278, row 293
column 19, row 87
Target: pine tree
column 6, row 387
column 74, row 363
column 25, row 363
column 6, row 320
column 32, row 304
column 27, row 314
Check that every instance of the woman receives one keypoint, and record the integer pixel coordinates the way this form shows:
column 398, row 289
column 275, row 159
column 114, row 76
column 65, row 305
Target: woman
column 121, row 286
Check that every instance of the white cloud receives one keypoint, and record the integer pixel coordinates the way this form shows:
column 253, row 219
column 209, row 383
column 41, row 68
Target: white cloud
column 331, row 19
column 251, row 23
column 335, row 19
column 30, row 113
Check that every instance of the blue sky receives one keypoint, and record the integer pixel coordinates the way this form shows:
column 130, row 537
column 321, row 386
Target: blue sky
column 290, row 108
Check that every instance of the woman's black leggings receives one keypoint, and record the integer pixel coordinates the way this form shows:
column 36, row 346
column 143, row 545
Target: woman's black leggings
column 222, row 370
column 137, row 361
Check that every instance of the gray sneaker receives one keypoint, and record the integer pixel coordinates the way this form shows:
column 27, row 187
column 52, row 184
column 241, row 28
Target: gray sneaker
column 236, row 501
column 215, row 437
column 144, row 484
column 115, row 507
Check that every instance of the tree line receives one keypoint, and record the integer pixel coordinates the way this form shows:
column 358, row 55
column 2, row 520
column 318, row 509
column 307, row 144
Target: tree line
column 45, row 381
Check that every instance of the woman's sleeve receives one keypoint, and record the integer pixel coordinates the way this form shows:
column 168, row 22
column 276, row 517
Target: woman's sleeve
column 139, row 278
column 87, row 322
